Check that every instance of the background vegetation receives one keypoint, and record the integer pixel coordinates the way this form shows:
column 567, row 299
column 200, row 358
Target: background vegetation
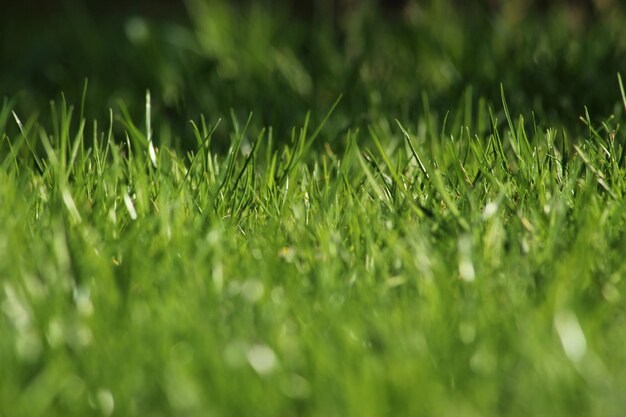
column 244, row 209
column 263, row 59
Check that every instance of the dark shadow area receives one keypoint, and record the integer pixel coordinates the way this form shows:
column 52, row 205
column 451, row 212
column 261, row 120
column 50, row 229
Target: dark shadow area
column 281, row 58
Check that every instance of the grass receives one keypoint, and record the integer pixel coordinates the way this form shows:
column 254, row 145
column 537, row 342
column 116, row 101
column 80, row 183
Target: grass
column 466, row 263
column 264, row 61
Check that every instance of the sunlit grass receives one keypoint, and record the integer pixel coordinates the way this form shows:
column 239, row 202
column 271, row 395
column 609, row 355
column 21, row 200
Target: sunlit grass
column 417, row 268
column 315, row 219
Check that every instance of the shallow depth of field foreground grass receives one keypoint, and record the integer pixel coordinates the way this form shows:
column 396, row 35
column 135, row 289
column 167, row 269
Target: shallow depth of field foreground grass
column 399, row 252
column 426, row 269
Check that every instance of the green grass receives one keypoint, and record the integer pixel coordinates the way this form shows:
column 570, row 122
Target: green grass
column 461, row 263
column 429, row 272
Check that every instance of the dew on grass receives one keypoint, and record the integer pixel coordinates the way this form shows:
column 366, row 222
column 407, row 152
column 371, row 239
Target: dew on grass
column 82, row 298
column 213, row 237
column 252, row 290
column 262, row 359
column 466, row 267
column 571, row 335
column 106, row 402
column 491, row 208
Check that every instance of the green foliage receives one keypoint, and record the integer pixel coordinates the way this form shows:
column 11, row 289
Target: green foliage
column 419, row 272
column 381, row 258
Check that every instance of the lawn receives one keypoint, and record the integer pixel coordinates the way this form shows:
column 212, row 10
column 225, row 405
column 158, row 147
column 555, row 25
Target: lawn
column 240, row 212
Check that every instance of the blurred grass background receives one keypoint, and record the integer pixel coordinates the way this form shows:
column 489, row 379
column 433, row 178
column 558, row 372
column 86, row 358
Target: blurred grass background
column 281, row 58
column 206, row 284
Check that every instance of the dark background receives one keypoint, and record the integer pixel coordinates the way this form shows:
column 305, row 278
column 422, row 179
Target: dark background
column 304, row 8
column 384, row 57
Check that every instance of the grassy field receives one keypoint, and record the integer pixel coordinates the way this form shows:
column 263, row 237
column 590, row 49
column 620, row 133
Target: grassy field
column 426, row 222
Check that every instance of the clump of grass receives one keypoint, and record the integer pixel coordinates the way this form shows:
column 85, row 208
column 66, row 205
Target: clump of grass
column 466, row 265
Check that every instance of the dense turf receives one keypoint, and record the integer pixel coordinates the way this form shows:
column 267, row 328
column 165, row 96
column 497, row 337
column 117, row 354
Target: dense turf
column 450, row 264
